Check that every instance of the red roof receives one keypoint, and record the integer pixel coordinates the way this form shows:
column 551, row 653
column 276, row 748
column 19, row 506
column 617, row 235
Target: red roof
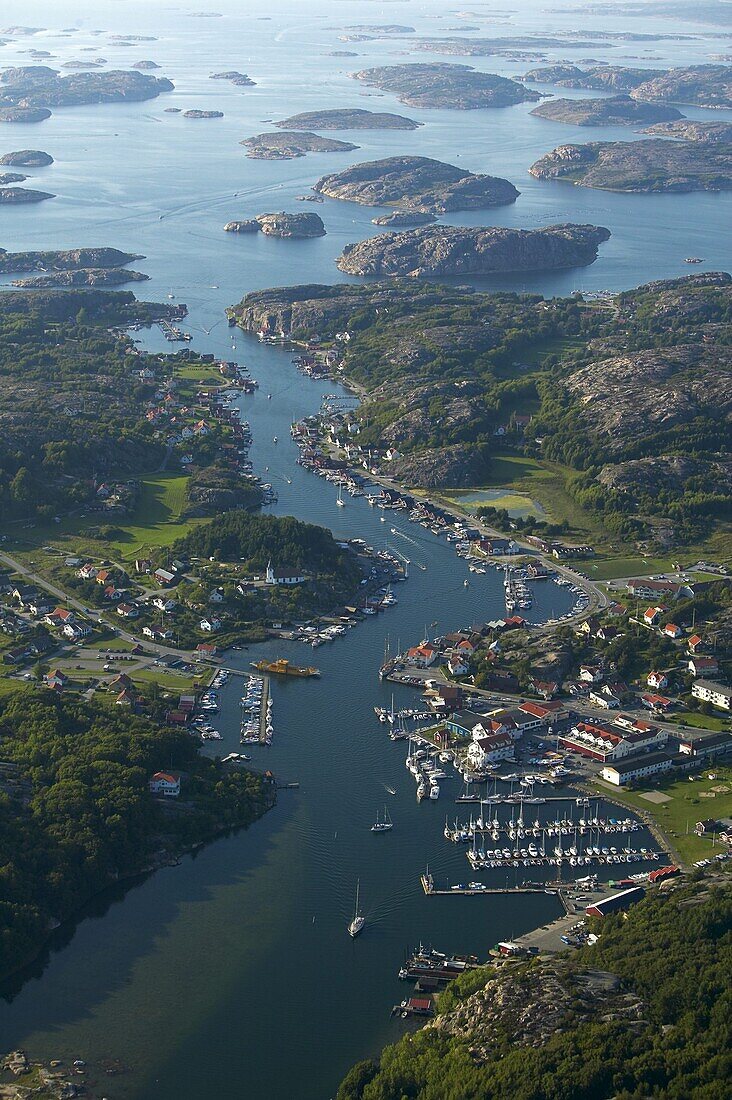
column 540, row 710
column 423, row 1004
column 167, row 777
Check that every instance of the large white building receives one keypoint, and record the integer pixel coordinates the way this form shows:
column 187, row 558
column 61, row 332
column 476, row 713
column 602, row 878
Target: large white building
column 710, row 691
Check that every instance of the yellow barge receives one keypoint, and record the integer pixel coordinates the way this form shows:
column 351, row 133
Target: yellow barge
column 281, row 667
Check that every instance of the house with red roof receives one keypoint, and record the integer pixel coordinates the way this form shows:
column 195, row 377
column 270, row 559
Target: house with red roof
column 671, row 630
column 703, row 666
column 695, row 643
column 658, row 680
column 422, row 656
column 166, row 784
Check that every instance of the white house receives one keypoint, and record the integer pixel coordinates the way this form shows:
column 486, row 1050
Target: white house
column 590, row 674
column 216, row 596
column 162, row 604
column 210, row 625
column 166, row 784
column 490, row 749
column 658, row 680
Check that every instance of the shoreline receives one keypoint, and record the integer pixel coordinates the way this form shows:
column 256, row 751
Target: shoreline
column 172, row 859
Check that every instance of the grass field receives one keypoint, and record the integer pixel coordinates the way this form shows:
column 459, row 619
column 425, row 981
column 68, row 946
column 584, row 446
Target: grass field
column 157, row 519
column 691, row 799
column 702, row 721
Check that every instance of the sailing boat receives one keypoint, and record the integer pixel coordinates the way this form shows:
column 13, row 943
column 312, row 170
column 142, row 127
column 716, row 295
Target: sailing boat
column 382, row 826
column 339, row 499
column 356, row 925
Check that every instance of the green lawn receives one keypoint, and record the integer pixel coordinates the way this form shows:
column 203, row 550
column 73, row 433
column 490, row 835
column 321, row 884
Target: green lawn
column 156, row 520
column 702, row 721
column 693, row 798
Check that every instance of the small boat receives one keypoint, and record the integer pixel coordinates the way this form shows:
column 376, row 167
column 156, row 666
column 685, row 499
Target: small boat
column 356, row 925
column 389, row 790
column 339, row 499
column 380, row 826
column 466, row 583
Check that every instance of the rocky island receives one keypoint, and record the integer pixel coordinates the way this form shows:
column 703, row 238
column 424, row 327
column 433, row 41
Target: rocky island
column 21, row 195
column 487, row 47
column 417, row 184
column 26, row 158
column 348, row 118
column 24, row 114
column 82, row 276
column 11, row 177
column 451, row 250
column 613, row 78
column 293, row 226
column 288, row 144
column 64, row 260
column 619, row 110
column 39, row 88
column 203, row 114
column 405, row 219
column 240, row 79
column 646, row 166
column 688, row 129
column 441, row 85
column 146, row 66
column 696, row 85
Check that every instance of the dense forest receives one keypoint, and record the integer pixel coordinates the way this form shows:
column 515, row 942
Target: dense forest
column 663, row 1032
column 76, row 813
column 71, row 402
column 254, row 540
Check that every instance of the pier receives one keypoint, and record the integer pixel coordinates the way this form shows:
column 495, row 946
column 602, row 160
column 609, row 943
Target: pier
column 263, row 711
column 431, row 890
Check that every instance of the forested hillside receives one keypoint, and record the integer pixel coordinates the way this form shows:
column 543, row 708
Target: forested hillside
column 645, row 1012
